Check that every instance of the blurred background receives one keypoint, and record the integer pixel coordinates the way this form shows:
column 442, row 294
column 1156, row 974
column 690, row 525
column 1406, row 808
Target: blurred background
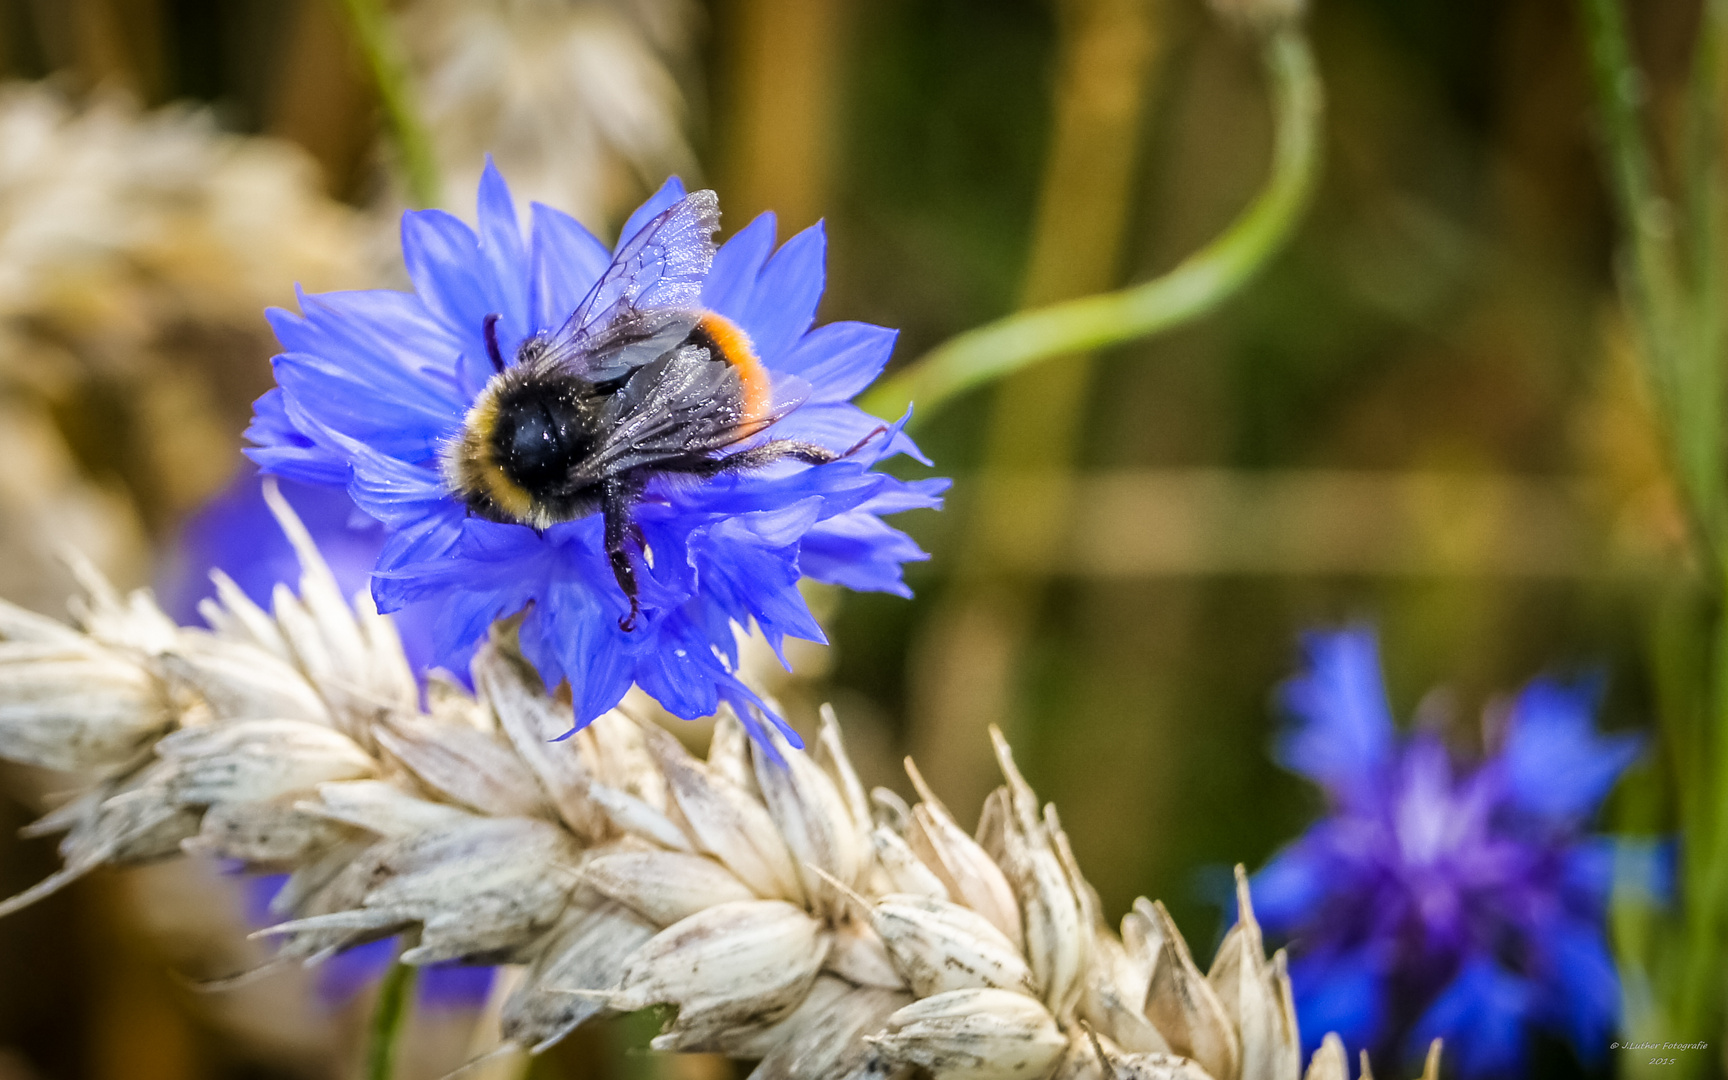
column 1424, row 414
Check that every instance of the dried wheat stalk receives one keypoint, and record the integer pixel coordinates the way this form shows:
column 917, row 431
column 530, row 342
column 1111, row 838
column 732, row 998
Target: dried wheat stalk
column 787, row 915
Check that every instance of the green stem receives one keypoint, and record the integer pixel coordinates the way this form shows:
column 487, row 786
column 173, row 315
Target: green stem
column 389, row 69
column 389, row 1017
column 1703, row 883
column 1673, row 292
column 1701, row 444
column 1202, row 282
column 1700, row 423
column 1644, row 213
column 1655, row 293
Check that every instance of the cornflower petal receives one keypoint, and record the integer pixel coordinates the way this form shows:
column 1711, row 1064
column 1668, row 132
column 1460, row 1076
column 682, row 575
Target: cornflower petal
column 840, row 359
column 566, row 261
column 1343, row 994
column 442, row 258
column 1583, row 986
column 860, row 551
column 1342, row 734
column 1481, row 1017
column 281, row 449
column 372, row 328
column 387, row 409
column 737, row 264
column 390, row 489
column 502, row 253
column 780, row 304
column 1557, row 766
column 1288, row 887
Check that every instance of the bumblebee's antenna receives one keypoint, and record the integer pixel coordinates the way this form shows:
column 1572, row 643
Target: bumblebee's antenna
column 490, row 329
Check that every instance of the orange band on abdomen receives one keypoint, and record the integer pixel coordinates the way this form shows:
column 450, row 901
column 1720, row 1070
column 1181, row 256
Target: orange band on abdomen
column 736, row 349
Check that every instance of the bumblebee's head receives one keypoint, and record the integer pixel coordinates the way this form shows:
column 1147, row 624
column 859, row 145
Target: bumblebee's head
column 519, row 441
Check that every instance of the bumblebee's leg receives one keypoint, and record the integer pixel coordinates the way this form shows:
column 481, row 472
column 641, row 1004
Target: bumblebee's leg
column 881, row 429
column 490, row 329
column 766, row 454
column 616, row 498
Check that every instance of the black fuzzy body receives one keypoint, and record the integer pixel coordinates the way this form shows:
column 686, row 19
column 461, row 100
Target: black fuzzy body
column 544, row 425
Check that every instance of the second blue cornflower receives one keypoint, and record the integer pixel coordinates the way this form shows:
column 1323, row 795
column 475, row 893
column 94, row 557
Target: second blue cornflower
column 1463, row 902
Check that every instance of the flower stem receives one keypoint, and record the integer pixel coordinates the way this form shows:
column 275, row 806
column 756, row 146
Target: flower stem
column 1652, row 278
column 389, row 69
column 1700, row 430
column 1196, row 286
column 1672, row 281
column 389, row 1017
column 1699, row 427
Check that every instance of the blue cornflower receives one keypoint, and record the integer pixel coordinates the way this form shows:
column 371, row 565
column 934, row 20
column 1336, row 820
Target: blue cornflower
column 1440, row 900
column 378, row 389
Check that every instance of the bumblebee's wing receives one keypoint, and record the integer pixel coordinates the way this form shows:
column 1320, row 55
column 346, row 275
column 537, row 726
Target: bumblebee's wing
column 636, row 336
column 680, row 409
column 634, row 312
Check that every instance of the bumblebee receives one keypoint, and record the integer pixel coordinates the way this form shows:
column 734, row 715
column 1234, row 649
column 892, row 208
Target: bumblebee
column 639, row 382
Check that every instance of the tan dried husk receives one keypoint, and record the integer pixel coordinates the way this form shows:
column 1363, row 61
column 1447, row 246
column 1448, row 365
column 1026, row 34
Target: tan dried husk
column 784, row 914
column 137, row 249
column 576, row 100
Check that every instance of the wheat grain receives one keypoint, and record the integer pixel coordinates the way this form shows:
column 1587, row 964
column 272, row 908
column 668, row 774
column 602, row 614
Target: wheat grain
column 785, row 914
